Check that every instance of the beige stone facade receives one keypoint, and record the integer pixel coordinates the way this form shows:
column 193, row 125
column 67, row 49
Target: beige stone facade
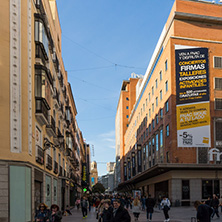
column 41, row 142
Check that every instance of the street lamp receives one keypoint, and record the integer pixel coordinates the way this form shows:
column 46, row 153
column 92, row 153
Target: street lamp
column 48, row 144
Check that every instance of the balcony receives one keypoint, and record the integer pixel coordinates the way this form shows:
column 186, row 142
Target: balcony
column 61, row 109
column 73, row 177
column 55, row 62
column 40, row 52
column 60, row 171
column 50, row 127
column 56, row 168
column 61, row 80
column 70, row 154
column 56, row 98
column 64, row 173
column 49, row 162
column 39, row 155
column 41, row 110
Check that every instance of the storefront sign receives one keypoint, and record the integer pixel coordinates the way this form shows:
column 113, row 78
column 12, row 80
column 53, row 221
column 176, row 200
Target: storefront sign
column 192, row 87
column 216, row 152
column 84, row 172
column 139, row 158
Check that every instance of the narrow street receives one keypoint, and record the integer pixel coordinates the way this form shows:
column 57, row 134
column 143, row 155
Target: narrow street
column 177, row 214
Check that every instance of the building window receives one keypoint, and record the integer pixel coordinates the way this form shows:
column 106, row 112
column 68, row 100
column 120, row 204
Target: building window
column 157, row 142
column 166, row 86
column 149, row 128
column 127, row 125
column 149, row 97
column 147, row 150
column 127, row 116
column 146, row 102
column 143, row 107
column 149, row 113
column 152, row 90
column 161, row 113
column 157, row 119
column 127, row 107
column 41, row 36
column 217, row 62
column 156, row 83
column 156, row 101
column 166, row 65
column 167, row 157
column 167, row 130
column 218, row 83
column 161, row 138
column 127, row 98
column 153, row 123
column 161, row 76
column 153, row 145
column 210, row 187
column 167, row 107
column 218, row 103
column 150, row 148
column 152, row 107
column 161, row 95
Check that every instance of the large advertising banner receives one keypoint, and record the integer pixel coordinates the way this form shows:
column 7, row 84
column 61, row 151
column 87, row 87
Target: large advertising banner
column 192, row 87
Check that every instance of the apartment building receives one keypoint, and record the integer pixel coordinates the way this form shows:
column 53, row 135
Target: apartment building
column 41, row 141
column 172, row 144
column 125, row 105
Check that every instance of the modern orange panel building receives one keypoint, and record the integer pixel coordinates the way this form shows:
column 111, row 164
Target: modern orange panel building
column 176, row 119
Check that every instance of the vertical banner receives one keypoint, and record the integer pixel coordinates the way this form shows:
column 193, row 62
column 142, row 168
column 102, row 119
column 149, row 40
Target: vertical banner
column 133, row 164
column 129, row 167
column 125, row 171
column 139, row 158
column 192, row 97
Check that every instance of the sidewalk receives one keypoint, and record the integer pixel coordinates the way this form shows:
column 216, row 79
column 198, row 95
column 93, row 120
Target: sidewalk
column 177, row 214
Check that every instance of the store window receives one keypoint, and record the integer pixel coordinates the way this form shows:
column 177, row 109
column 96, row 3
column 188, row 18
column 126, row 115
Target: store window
column 185, row 189
column 210, row 187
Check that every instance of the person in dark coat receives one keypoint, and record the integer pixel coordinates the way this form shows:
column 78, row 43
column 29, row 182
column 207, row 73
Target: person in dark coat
column 120, row 214
column 150, row 203
column 204, row 212
column 42, row 214
column 55, row 214
column 107, row 213
column 215, row 204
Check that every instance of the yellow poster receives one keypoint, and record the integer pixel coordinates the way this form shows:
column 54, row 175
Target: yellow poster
column 193, row 115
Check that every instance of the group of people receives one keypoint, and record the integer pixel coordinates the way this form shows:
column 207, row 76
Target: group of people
column 115, row 208
column 43, row 214
column 206, row 210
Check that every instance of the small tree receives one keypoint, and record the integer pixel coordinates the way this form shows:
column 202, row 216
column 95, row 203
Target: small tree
column 98, row 188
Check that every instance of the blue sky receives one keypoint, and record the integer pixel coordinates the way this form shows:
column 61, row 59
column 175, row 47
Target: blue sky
column 96, row 35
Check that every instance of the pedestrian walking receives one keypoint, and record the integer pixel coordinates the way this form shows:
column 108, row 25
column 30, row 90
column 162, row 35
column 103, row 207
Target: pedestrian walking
column 215, row 205
column 204, row 211
column 107, row 213
column 165, row 204
column 150, row 203
column 120, row 214
column 77, row 203
column 208, row 201
column 136, row 208
column 42, row 214
column 100, row 211
column 143, row 201
column 55, row 214
column 84, row 205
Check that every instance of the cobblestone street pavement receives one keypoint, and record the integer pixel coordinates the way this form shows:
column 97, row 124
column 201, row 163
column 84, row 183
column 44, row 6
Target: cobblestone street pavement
column 177, row 214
